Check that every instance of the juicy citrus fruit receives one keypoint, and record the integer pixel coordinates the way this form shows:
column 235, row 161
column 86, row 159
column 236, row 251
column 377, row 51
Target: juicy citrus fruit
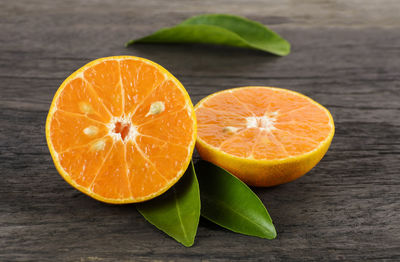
column 265, row 136
column 121, row 129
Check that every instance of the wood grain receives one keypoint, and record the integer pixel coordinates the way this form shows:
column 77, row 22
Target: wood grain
column 345, row 55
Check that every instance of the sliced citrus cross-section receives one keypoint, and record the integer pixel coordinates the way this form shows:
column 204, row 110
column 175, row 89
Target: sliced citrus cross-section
column 121, row 129
column 265, row 136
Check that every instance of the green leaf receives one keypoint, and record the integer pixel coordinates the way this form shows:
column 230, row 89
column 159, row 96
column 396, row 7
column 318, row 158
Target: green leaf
column 177, row 211
column 221, row 29
column 228, row 202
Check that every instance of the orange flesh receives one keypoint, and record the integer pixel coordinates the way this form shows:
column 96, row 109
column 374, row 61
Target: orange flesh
column 109, row 136
column 262, row 123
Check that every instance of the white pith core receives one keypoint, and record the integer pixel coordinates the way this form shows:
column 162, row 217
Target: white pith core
column 262, row 122
column 131, row 136
column 132, row 133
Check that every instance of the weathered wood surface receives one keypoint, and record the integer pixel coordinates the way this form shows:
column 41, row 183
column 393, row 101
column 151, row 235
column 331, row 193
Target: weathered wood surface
column 346, row 55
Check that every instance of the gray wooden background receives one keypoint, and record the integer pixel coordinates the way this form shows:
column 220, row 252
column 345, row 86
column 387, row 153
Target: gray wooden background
column 346, row 55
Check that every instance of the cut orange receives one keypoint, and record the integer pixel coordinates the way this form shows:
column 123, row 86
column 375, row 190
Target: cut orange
column 265, row 136
column 121, row 129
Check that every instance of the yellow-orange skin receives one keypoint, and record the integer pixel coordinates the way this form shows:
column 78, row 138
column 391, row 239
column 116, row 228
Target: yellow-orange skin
column 265, row 173
column 84, row 190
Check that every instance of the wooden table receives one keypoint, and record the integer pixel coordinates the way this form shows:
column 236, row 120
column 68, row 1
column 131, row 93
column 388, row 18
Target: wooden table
column 345, row 55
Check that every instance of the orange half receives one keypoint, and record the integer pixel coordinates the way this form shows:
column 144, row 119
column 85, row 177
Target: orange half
column 265, row 136
column 121, row 129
